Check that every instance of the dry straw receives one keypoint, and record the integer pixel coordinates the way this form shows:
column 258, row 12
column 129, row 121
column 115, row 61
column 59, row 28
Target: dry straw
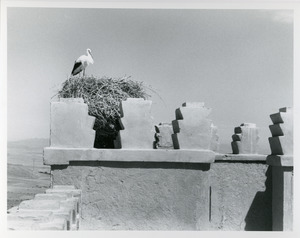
column 103, row 96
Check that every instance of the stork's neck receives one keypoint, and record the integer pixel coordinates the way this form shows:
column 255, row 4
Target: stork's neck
column 90, row 56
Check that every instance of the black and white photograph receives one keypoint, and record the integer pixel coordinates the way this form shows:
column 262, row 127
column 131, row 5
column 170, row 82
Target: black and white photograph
column 149, row 116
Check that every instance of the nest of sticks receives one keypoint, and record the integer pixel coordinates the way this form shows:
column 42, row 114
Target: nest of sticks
column 103, row 97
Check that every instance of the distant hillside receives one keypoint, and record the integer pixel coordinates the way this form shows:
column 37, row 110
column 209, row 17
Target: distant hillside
column 34, row 143
column 26, row 152
column 26, row 173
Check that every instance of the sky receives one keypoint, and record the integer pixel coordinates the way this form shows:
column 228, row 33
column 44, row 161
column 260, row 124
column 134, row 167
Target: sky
column 238, row 62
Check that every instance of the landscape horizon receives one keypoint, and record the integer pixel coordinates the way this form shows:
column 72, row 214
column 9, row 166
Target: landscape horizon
column 26, row 173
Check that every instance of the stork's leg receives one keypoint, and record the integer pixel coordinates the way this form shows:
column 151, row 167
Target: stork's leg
column 83, row 72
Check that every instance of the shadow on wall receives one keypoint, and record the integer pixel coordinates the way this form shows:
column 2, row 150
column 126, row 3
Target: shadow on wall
column 259, row 216
column 132, row 165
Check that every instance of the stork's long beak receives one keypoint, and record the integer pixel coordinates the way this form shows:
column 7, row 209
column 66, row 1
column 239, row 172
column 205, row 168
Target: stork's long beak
column 91, row 55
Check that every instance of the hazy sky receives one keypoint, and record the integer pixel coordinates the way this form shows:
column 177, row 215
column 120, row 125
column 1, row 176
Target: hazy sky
column 239, row 62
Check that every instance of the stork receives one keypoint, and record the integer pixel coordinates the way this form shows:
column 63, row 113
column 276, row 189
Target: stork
column 82, row 62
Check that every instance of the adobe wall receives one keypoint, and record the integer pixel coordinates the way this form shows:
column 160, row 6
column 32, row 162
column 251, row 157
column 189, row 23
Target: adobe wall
column 139, row 195
column 57, row 209
column 241, row 195
column 233, row 193
column 189, row 187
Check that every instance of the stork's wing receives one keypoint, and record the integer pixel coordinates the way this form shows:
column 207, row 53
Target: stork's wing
column 77, row 68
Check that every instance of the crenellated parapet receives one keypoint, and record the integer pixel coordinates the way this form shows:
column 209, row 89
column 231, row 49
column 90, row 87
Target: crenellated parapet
column 70, row 124
column 193, row 129
column 57, row 209
column 137, row 129
column 245, row 139
column 176, row 186
column 281, row 142
column 163, row 136
column 282, row 162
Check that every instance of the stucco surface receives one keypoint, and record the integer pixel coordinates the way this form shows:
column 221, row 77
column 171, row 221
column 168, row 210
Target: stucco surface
column 283, row 198
column 225, row 195
column 55, row 156
column 192, row 128
column 138, row 195
column 241, row 196
column 137, row 124
column 70, row 124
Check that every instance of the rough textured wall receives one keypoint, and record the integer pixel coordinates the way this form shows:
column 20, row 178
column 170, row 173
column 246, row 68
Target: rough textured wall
column 171, row 196
column 283, row 198
column 140, row 195
column 241, row 196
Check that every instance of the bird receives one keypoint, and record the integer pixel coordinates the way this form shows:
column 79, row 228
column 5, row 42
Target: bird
column 82, row 62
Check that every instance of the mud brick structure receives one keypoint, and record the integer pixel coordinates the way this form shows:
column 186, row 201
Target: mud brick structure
column 71, row 126
column 192, row 128
column 57, row 209
column 214, row 142
column 281, row 142
column 281, row 160
column 137, row 130
column 163, row 135
column 137, row 187
column 245, row 139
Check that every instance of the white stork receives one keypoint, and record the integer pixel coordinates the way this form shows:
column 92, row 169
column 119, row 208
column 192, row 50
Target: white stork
column 82, row 62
